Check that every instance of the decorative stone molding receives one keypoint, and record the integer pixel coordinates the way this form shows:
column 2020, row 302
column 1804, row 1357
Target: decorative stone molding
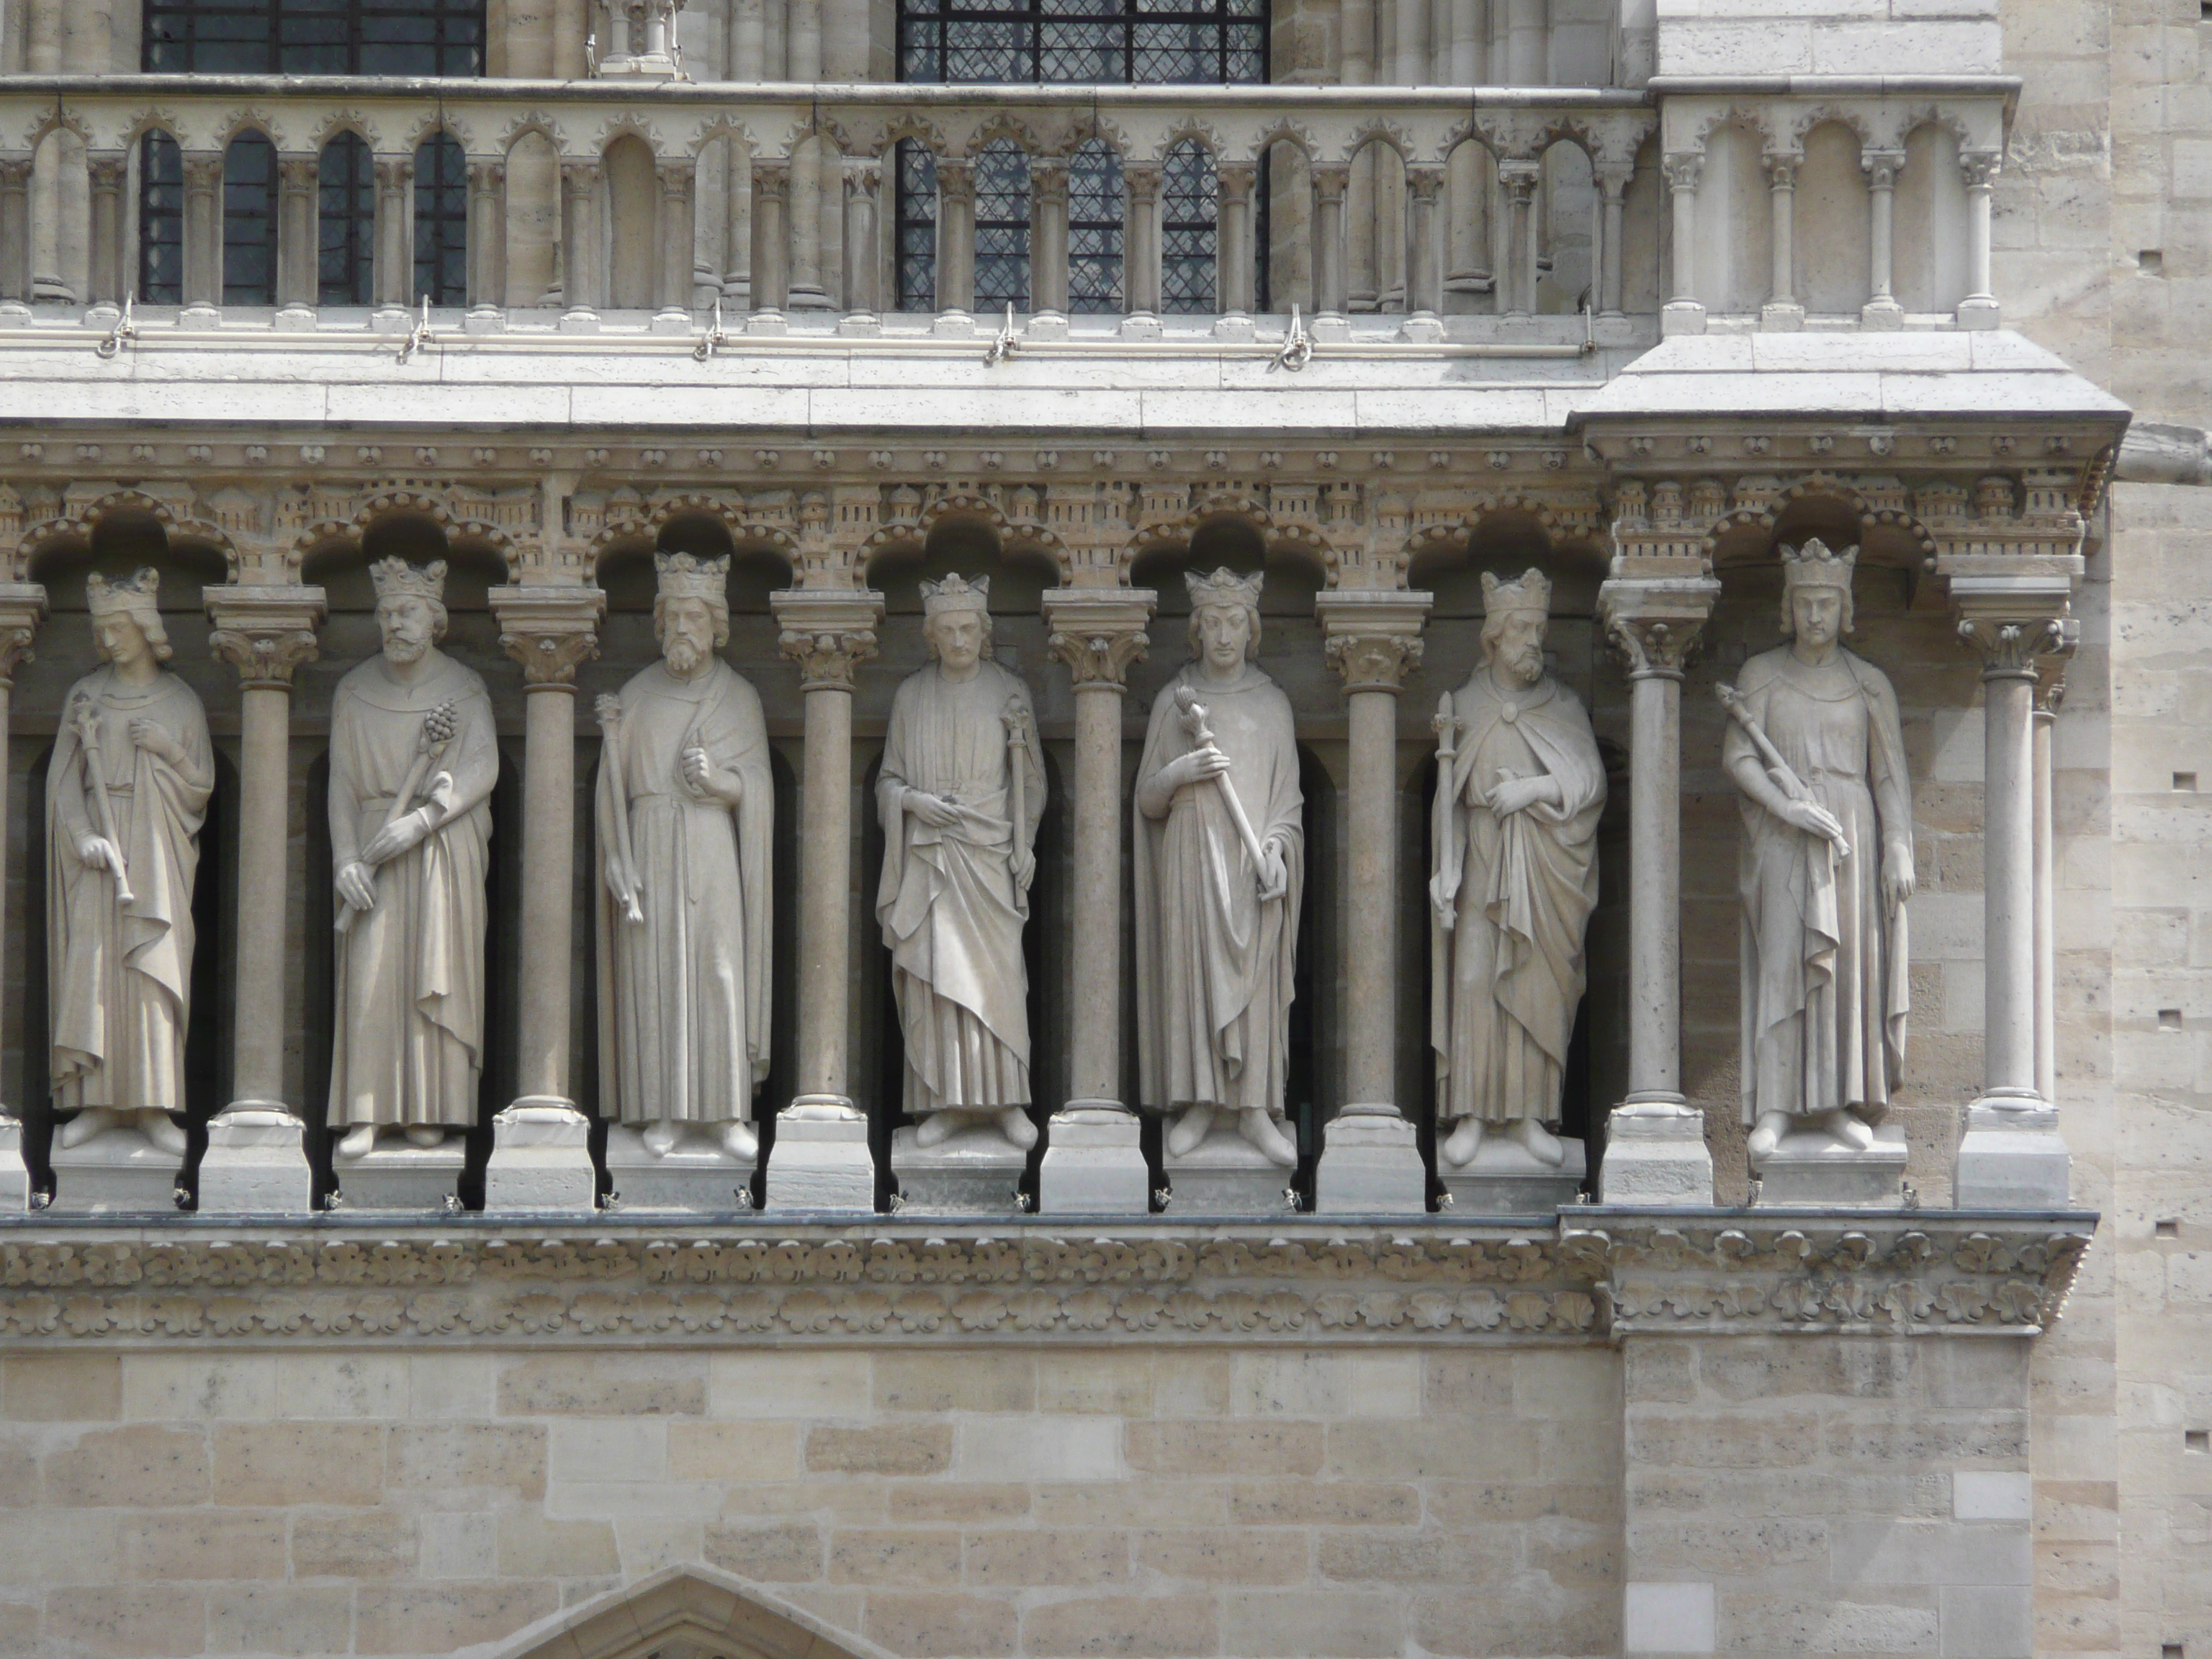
column 1603, row 1273
column 265, row 632
column 829, row 636
column 1373, row 637
column 1097, row 632
column 1653, row 624
column 549, row 630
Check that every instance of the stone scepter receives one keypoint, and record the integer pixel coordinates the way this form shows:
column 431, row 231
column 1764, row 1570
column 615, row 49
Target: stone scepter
column 1194, row 721
column 88, row 727
column 438, row 728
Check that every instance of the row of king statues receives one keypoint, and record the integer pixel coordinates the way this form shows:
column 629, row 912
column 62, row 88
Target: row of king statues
column 684, row 816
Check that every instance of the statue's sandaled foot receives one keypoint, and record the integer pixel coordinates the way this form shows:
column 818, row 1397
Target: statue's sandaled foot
column 358, row 1141
column 92, row 1121
column 1464, row 1142
column 938, row 1127
column 1014, row 1124
column 1850, row 1129
column 1765, row 1137
column 1189, row 1130
column 738, row 1141
column 1540, row 1142
column 161, row 1132
column 1261, row 1128
column 661, row 1136
column 426, row 1134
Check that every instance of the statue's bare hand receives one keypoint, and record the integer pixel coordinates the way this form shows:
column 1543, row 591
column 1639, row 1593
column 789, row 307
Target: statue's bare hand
column 1275, row 871
column 1517, row 796
column 1023, row 865
column 402, row 833
column 96, row 852
column 623, row 882
column 1899, row 880
column 1198, row 766
column 934, row 811
column 706, row 781
column 1813, row 819
column 356, row 886
column 152, row 736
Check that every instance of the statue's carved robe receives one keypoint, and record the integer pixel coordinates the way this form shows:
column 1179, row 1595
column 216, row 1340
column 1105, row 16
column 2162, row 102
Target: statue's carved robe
column 121, row 975
column 409, row 1043
column 951, row 915
column 1509, row 975
column 1215, row 964
column 684, row 1005
column 1823, row 979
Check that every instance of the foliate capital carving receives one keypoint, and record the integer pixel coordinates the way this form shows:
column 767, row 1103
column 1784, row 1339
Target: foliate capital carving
column 1329, row 185
column 549, row 629
column 1881, row 168
column 828, row 635
column 1098, row 632
column 2013, row 650
column 1978, row 167
column 265, row 632
column 1373, row 637
column 1653, row 625
column 22, row 608
column 1684, row 169
column 2013, row 611
column 1519, row 180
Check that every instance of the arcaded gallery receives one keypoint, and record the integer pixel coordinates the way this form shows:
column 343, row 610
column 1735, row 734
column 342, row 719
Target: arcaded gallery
column 1106, row 828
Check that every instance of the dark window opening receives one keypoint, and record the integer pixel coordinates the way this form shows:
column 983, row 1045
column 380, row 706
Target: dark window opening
column 346, row 189
column 314, row 37
column 1002, row 228
column 1187, row 227
column 249, row 221
column 441, row 221
column 916, row 227
column 1126, row 42
column 160, row 221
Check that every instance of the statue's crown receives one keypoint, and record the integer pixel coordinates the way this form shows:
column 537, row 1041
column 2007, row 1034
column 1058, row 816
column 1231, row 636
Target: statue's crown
column 1532, row 592
column 1224, row 586
column 1814, row 566
column 397, row 579
column 137, row 594
column 686, row 576
column 955, row 593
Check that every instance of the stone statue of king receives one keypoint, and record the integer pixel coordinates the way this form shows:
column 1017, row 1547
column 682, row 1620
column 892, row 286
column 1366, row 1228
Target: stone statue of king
column 1814, row 744
column 1520, row 788
column 686, row 818
column 961, row 792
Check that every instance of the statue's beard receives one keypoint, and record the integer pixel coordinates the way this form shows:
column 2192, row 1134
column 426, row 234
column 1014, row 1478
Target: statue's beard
column 400, row 650
column 682, row 656
column 1525, row 664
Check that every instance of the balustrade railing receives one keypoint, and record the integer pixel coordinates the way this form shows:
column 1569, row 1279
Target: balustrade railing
column 595, row 197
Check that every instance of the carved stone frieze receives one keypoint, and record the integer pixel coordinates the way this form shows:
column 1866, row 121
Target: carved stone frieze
column 265, row 632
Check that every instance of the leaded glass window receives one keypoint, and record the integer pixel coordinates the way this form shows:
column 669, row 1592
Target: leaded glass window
column 1094, row 228
column 1188, row 225
column 916, row 227
column 249, row 221
column 160, row 221
column 441, row 221
column 345, row 187
column 1128, row 42
column 314, row 37
column 1002, row 227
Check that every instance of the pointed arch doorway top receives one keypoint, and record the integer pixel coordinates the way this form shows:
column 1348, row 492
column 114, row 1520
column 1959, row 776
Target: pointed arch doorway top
column 691, row 1612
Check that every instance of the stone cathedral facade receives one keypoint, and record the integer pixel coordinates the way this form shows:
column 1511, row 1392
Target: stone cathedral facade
column 957, row 828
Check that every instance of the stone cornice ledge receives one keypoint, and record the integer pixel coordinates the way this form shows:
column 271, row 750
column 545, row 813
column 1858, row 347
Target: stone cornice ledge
column 1592, row 1274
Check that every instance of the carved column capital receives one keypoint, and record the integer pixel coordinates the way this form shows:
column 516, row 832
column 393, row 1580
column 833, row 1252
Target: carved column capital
column 1653, row 624
column 2013, row 609
column 265, row 632
column 2013, row 649
column 1684, row 169
column 828, row 635
column 549, row 629
column 1373, row 637
column 1098, row 632
column 22, row 608
column 1518, row 180
column 1881, row 168
column 1235, row 179
column 772, row 177
column 1143, row 184
column 1329, row 184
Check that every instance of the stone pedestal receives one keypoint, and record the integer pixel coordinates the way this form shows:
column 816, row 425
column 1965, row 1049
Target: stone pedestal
column 1094, row 1163
column 975, row 1173
column 1226, row 1176
column 398, row 1177
column 1656, row 1159
column 1505, row 1178
column 821, row 1163
column 1370, row 1165
column 256, row 1164
column 1816, row 1170
column 696, row 1177
column 541, row 1159
column 2012, row 1157
column 14, row 1174
column 120, row 1172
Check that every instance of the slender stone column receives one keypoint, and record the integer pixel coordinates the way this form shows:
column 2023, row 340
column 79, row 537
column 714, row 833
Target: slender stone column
column 1654, row 1139
column 1372, row 1162
column 1048, row 284
column 22, row 608
column 1425, row 281
column 863, row 174
column 955, row 235
column 106, row 264
column 202, row 232
column 1882, row 309
column 1613, row 191
column 257, row 1160
column 579, row 248
column 1518, row 180
column 1781, row 310
column 1235, row 273
column 1140, row 241
column 541, row 1157
column 1093, row 1162
column 1329, row 185
column 394, row 272
column 487, row 239
column 1979, row 308
column 16, row 278
column 820, row 1160
column 2049, row 692
column 1683, row 314
column 771, row 252
column 298, row 258
column 672, row 266
column 805, row 291
column 2011, row 1156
